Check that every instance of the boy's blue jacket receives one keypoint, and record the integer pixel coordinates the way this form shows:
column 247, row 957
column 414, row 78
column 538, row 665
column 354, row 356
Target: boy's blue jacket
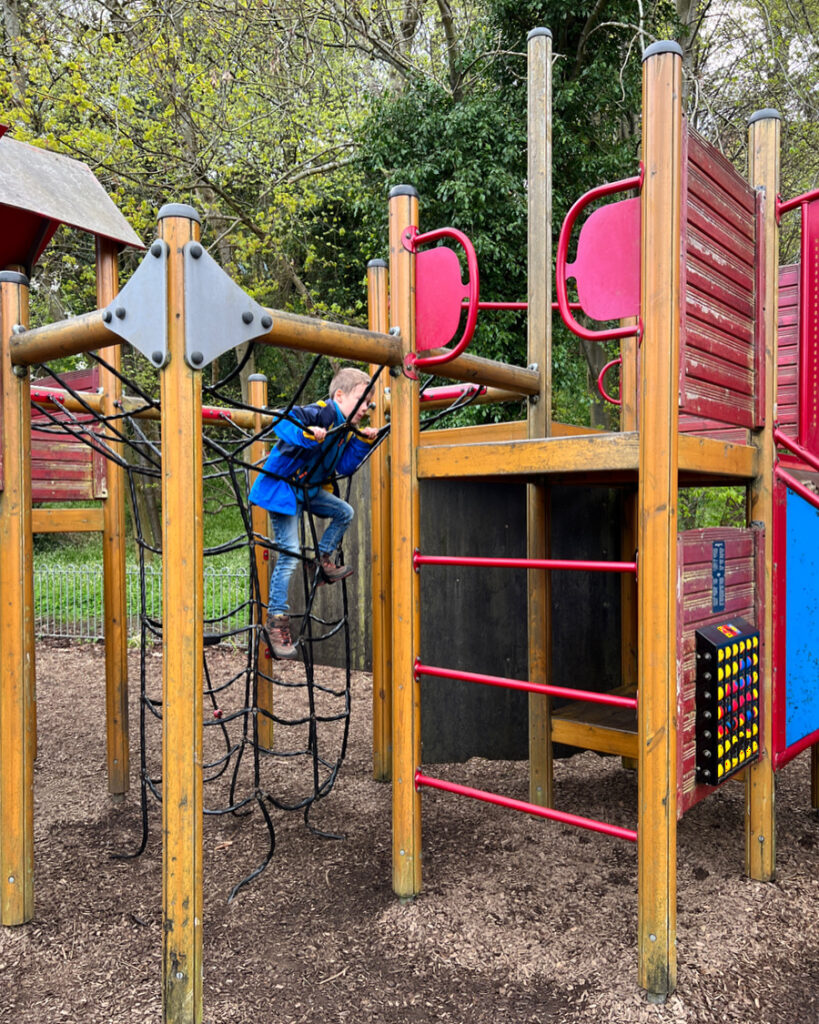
column 299, row 458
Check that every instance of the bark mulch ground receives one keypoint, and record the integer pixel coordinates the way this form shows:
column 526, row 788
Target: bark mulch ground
column 519, row 921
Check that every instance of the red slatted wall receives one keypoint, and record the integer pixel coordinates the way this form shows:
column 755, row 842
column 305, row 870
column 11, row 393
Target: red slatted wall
column 719, row 354
column 787, row 372
column 744, row 554
column 62, row 468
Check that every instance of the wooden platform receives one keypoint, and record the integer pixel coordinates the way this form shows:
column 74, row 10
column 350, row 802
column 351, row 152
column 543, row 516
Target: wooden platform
column 608, row 730
column 606, row 457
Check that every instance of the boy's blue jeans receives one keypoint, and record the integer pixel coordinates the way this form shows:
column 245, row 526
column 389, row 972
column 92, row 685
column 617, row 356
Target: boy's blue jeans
column 325, row 505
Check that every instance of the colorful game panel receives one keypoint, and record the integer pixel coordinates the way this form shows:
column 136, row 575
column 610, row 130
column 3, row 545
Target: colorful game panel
column 728, row 688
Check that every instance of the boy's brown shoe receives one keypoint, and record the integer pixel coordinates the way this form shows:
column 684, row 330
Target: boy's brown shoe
column 332, row 572
column 278, row 632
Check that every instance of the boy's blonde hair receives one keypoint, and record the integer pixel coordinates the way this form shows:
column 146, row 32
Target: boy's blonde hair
column 347, row 379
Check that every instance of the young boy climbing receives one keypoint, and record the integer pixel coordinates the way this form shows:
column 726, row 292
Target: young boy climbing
column 313, row 447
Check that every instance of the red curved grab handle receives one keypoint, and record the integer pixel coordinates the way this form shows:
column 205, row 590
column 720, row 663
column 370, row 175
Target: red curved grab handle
column 561, row 289
column 604, row 394
column 412, row 241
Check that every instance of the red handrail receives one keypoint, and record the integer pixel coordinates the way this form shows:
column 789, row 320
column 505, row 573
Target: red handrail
column 523, row 563
column 791, row 204
column 451, row 392
column 561, row 288
column 612, row 699
column 797, row 487
column 521, row 805
column 602, row 374
column 412, row 240
column 796, row 448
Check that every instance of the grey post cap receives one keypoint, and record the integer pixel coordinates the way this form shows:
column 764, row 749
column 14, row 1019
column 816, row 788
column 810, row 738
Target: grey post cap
column 539, row 32
column 13, row 277
column 663, row 46
column 764, row 115
column 258, row 376
column 403, row 190
column 377, row 263
column 178, row 210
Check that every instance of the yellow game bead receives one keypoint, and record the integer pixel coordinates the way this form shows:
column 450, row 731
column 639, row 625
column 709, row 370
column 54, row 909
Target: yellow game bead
column 721, row 655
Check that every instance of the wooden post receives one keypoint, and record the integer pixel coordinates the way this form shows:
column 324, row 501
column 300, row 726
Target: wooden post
column 257, row 396
column 763, row 173
column 539, row 335
column 17, row 680
column 406, row 801
column 378, row 311
column 183, row 610
column 114, row 579
column 657, row 496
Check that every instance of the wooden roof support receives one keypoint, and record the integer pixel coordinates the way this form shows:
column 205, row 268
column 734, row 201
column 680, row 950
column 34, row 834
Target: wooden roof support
column 17, row 686
column 183, row 610
column 657, row 521
column 114, row 583
column 406, row 709
column 539, row 347
column 763, row 171
column 380, row 563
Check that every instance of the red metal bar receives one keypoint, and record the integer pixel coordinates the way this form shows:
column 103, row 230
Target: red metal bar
column 797, row 487
column 523, row 563
column 514, row 305
column 561, row 287
column 521, row 805
column 601, row 376
column 451, row 392
column 613, row 699
column 412, row 241
column 791, row 204
column 797, row 449
column 211, row 412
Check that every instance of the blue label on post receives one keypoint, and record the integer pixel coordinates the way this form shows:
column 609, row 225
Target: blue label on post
column 718, row 576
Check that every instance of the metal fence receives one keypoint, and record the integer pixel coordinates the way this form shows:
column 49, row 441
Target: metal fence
column 68, row 600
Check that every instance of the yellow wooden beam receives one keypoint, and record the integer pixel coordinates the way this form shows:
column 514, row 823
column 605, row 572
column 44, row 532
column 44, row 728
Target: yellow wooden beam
column 406, row 731
column 17, row 693
column 539, row 349
column 657, row 497
column 115, row 586
column 257, row 396
column 183, row 610
column 760, row 819
column 67, row 520
column 598, row 453
column 594, row 737
column 380, row 562
column 64, row 338
column 705, row 456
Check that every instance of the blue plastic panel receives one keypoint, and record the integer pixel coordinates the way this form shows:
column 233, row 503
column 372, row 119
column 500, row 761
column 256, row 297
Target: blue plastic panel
column 802, row 627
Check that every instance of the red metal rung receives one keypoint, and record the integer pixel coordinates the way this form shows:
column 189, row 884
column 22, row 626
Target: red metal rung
column 612, row 699
column 578, row 565
column 526, row 808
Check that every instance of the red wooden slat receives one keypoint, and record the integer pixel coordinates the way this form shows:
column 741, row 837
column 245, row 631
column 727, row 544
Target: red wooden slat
column 694, row 549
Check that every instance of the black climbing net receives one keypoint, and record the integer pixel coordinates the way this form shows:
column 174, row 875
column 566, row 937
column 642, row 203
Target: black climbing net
column 244, row 770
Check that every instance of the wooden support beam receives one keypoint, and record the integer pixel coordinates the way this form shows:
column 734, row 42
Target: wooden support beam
column 582, row 454
column 290, row 330
column 539, row 408
column 183, row 610
column 406, row 801
column 64, row 338
column 657, row 497
column 115, row 587
column 67, row 520
column 257, row 396
column 17, row 679
column 763, row 171
column 380, row 562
